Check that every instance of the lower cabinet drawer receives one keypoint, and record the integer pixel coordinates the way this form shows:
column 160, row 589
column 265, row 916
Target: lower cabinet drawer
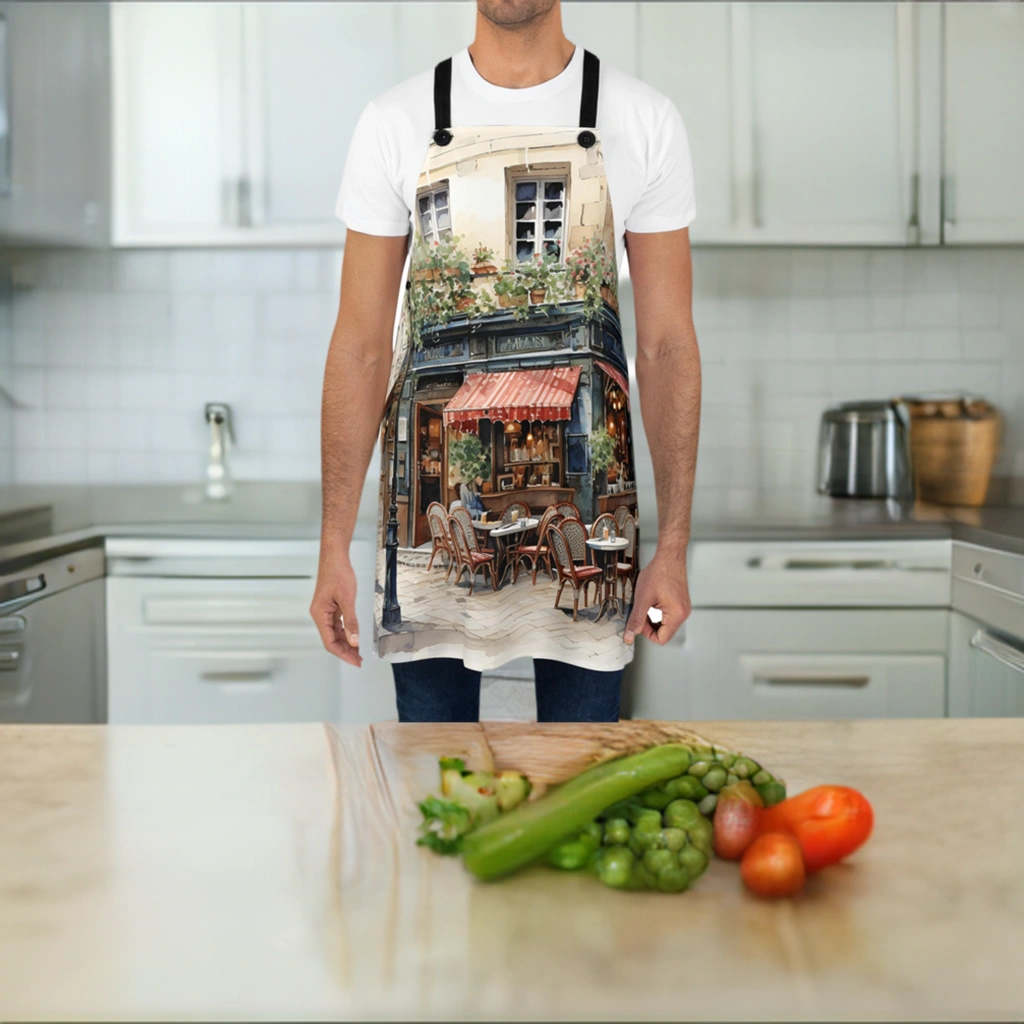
column 251, row 685
column 796, row 664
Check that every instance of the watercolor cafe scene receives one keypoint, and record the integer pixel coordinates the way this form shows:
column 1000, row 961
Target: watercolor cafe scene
column 507, row 476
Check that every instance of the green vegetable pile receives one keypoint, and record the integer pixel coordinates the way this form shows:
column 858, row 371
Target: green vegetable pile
column 637, row 822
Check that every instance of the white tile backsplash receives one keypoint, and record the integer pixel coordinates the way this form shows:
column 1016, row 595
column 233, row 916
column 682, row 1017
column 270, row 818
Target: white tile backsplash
column 114, row 356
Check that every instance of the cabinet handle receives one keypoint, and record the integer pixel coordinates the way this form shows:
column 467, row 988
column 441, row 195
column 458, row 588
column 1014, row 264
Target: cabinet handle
column 812, row 679
column 14, row 590
column 9, row 660
column 253, row 675
column 822, row 564
column 914, row 221
column 244, row 201
column 1006, row 654
column 948, row 200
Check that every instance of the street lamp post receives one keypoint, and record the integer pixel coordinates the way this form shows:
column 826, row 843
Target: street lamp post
column 391, row 617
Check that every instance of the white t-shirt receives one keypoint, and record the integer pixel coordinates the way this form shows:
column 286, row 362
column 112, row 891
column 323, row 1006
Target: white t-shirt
column 646, row 151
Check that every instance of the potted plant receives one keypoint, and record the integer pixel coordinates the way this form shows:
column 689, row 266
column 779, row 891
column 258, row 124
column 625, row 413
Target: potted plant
column 509, row 287
column 602, row 449
column 468, row 454
column 483, row 260
column 538, row 276
column 592, row 270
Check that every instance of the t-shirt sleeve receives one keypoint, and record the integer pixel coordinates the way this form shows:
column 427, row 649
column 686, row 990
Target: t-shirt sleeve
column 668, row 202
column 370, row 199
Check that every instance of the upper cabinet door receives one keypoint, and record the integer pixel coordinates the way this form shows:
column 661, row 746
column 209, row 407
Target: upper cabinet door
column 309, row 71
column 684, row 51
column 829, row 154
column 177, row 98
column 983, row 193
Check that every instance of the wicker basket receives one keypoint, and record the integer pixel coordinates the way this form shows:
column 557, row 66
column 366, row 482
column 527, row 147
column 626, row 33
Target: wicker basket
column 953, row 449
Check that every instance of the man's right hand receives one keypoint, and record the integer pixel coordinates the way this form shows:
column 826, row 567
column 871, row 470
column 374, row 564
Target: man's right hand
column 334, row 606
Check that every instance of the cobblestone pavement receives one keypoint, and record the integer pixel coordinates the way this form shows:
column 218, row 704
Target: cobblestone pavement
column 520, row 620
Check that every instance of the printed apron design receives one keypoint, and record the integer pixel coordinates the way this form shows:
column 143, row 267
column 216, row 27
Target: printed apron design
column 508, row 518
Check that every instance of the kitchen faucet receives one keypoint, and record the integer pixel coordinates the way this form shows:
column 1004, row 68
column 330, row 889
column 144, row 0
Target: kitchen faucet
column 218, row 477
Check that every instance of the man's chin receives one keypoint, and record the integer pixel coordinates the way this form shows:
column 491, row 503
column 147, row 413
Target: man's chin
column 510, row 13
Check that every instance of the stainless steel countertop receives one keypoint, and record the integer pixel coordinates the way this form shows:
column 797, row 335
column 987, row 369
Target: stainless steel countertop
column 36, row 519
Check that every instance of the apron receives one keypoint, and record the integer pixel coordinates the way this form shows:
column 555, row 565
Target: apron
column 507, row 522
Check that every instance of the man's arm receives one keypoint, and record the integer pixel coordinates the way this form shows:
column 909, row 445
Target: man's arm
column 668, row 372
column 355, row 389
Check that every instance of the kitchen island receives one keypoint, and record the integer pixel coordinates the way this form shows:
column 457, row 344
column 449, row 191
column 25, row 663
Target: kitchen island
column 271, row 871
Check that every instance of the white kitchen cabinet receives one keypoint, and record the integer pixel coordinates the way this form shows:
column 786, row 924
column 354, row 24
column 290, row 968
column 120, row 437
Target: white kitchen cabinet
column 796, row 664
column 684, row 51
column 984, row 133
column 232, row 120
column 201, row 631
column 55, row 124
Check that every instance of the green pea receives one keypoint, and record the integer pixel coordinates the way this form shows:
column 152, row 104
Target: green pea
column 570, row 855
column 655, row 860
column 699, row 769
column 640, row 813
column 708, row 804
column 616, row 832
column 761, row 777
column 686, row 788
column 745, row 768
column 731, row 779
column 673, row 878
column 771, row 793
column 673, row 838
column 636, row 847
column 694, row 860
column 655, row 798
column 725, row 758
column 648, row 821
column 644, row 879
column 714, row 779
column 681, row 814
column 615, row 867
column 647, row 840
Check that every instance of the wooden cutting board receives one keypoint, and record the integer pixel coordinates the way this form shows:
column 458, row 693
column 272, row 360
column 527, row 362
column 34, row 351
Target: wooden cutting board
column 925, row 922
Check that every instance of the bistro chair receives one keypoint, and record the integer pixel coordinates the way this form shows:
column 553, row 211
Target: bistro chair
column 457, row 503
column 442, row 542
column 577, row 576
column 516, row 506
column 575, row 534
column 539, row 550
column 626, row 567
column 603, row 520
column 621, row 515
column 568, row 510
column 468, row 559
column 461, row 513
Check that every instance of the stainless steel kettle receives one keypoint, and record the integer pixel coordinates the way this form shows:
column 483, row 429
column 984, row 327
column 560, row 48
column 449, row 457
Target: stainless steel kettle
column 864, row 451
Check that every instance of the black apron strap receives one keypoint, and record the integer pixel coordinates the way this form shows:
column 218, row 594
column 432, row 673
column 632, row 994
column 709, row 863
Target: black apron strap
column 443, row 102
column 588, row 99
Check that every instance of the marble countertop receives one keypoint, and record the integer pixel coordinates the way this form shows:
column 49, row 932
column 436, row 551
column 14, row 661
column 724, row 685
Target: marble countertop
column 270, row 872
column 35, row 519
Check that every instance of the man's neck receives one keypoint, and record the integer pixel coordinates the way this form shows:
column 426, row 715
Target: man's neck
column 521, row 56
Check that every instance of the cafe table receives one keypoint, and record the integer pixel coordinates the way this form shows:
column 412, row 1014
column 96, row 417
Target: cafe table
column 607, row 554
column 504, row 537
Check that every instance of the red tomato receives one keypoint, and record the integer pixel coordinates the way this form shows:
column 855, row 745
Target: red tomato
column 737, row 820
column 829, row 822
column 773, row 866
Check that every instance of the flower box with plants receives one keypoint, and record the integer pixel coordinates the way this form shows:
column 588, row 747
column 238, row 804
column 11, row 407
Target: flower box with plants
column 440, row 285
column 483, row 261
column 591, row 268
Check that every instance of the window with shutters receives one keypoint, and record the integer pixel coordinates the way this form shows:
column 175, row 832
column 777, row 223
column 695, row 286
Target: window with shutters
column 434, row 212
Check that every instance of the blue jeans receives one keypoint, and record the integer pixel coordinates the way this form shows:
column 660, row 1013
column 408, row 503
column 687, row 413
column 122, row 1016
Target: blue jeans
column 444, row 690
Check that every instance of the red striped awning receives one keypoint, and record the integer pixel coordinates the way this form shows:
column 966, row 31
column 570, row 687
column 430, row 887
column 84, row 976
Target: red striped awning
column 616, row 375
column 513, row 395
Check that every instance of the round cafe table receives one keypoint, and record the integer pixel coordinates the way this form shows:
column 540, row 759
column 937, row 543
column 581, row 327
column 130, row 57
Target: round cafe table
column 607, row 554
column 504, row 536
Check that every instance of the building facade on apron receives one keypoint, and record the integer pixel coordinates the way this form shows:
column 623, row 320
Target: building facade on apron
column 508, row 500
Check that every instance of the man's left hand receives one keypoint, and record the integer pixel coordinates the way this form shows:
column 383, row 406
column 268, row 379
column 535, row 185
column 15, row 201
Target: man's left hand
column 662, row 585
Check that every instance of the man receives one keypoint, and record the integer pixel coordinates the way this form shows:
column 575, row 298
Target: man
column 544, row 198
